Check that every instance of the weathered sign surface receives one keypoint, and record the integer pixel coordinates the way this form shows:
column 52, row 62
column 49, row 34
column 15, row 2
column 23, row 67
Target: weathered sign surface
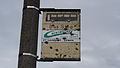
column 61, row 35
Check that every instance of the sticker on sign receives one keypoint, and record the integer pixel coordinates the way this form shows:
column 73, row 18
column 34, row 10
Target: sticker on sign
column 61, row 36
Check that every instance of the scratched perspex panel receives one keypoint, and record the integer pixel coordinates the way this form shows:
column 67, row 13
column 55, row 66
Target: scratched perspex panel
column 61, row 35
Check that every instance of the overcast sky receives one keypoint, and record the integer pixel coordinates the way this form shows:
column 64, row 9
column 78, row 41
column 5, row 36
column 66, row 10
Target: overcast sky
column 100, row 33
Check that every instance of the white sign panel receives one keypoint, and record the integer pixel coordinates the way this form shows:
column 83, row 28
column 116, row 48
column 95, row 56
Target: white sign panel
column 61, row 36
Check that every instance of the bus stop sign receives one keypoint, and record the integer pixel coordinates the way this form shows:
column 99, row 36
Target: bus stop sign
column 61, row 35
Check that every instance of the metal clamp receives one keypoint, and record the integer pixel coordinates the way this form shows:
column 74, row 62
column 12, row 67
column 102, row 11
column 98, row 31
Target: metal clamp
column 29, row 54
column 38, row 9
column 32, row 7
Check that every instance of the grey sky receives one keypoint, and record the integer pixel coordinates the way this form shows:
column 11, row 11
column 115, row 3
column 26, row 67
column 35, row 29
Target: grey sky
column 100, row 33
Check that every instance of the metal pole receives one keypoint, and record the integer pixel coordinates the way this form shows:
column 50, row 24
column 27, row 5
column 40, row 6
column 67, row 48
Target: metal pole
column 29, row 34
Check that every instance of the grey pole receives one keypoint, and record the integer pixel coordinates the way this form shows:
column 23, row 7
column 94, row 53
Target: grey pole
column 29, row 34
